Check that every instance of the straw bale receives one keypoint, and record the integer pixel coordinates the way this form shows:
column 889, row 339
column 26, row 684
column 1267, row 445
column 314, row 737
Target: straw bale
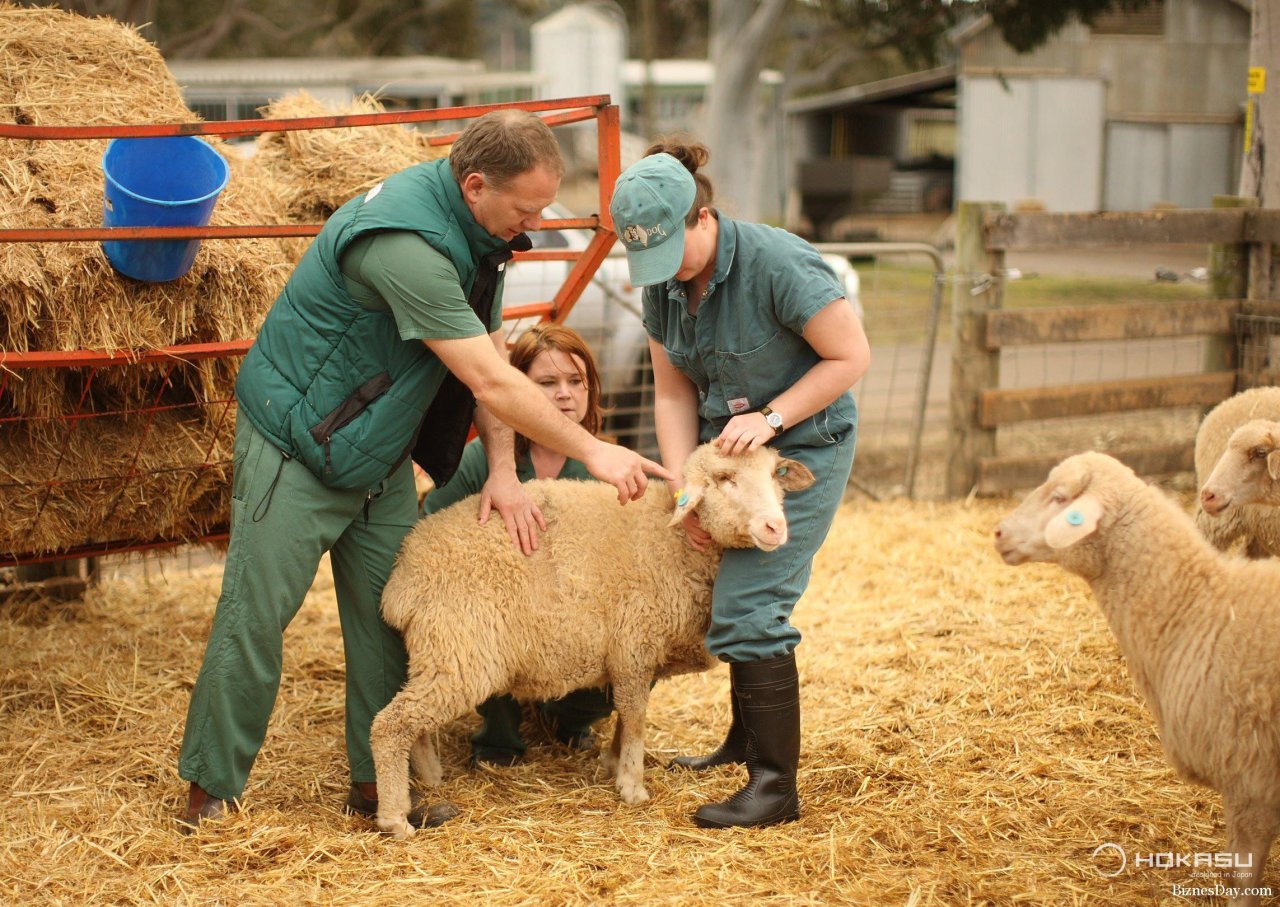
column 63, row 69
column 57, row 68
column 970, row 737
column 317, row 171
column 137, row 476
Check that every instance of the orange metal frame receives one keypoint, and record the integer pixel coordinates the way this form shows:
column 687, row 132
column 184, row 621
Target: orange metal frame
column 553, row 112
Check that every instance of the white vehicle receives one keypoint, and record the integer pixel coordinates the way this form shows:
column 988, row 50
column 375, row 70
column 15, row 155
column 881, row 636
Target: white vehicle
column 608, row 315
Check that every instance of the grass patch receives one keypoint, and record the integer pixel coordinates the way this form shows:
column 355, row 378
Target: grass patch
column 896, row 297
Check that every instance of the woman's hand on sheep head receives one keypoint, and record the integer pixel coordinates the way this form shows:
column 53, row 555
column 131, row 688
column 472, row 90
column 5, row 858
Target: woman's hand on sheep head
column 624, row 469
column 743, row 434
column 699, row 538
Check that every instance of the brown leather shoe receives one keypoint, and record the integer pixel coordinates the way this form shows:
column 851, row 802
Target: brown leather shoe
column 362, row 800
column 200, row 806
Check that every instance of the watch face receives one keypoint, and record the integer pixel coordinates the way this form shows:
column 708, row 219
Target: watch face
column 774, row 420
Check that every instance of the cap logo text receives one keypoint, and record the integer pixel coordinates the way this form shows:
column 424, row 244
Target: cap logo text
column 636, row 234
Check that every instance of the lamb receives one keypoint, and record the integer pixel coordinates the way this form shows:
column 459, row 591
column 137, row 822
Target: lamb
column 1221, row 523
column 613, row 595
column 1199, row 630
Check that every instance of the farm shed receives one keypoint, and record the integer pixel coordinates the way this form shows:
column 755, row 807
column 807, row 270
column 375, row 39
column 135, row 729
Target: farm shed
column 1142, row 109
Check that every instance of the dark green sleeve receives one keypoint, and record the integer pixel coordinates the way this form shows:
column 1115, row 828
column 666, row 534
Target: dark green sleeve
column 574, row 469
column 472, row 473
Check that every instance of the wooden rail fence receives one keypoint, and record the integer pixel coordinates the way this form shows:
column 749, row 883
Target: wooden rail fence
column 1241, row 238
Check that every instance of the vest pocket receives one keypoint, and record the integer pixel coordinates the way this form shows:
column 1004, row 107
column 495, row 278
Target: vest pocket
column 346, row 412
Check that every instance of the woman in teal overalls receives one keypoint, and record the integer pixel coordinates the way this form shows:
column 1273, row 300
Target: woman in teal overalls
column 558, row 361
column 752, row 343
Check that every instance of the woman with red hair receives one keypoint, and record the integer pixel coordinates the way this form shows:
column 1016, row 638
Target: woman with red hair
column 558, row 361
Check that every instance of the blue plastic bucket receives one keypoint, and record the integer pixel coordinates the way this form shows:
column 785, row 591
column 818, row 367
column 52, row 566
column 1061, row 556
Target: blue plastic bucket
column 172, row 181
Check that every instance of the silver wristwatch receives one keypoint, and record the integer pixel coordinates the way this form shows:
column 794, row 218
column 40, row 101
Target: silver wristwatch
column 772, row 419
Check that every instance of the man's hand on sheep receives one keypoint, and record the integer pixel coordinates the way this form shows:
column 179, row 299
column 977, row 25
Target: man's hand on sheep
column 505, row 493
column 624, row 469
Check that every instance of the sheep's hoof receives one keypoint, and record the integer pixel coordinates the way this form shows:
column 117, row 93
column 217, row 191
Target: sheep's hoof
column 633, row 794
column 398, row 827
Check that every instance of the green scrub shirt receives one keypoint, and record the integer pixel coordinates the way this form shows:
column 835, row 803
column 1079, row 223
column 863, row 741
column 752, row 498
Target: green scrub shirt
column 743, row 347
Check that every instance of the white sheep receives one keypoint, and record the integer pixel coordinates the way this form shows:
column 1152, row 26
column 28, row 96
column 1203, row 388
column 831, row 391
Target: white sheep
column 1200, row 631
column 613, row 595
column 1248, row 473
column 1221, row 525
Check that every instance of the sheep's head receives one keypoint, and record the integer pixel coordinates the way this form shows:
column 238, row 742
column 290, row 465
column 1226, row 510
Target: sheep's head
column 1058, row 520
column 739, row 498
column 1248, row 472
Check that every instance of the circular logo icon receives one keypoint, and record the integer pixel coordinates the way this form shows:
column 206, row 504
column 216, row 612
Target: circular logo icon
column 1118, row 852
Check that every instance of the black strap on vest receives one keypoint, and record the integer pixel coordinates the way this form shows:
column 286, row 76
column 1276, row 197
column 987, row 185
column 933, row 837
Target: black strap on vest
column 443, row 432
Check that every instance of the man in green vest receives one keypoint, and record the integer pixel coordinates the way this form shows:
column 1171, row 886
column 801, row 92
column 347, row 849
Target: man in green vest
column 333, row 397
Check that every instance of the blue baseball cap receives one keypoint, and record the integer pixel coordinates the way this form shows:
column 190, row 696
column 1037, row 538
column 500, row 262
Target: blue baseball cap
column 651, row 199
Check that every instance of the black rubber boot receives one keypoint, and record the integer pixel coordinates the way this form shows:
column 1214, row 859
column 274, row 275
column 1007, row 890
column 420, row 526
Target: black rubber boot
column 768, row 694
column 733, row 751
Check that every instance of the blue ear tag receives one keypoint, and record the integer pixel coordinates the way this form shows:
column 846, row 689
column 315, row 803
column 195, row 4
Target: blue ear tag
column 782, row 470
column 1075, row 517
column 682, row 498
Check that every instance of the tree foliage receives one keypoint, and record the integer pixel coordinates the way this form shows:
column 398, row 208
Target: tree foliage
column 283, row 28
column 916, row 29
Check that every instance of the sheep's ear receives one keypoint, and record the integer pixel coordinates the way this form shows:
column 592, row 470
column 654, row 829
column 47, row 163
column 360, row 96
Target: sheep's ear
column 793, row 475
column 1273, row 465
column 686, row 502
column 1078, row 520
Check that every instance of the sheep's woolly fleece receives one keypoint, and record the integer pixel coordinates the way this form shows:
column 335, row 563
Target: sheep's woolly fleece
column 970, row 737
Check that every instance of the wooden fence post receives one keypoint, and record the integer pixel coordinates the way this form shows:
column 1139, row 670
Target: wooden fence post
column 1229, row 279
column 977, row 289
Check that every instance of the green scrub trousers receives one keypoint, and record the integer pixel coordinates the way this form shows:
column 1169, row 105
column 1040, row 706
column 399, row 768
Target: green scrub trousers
column 756, row 591
column 283, row 520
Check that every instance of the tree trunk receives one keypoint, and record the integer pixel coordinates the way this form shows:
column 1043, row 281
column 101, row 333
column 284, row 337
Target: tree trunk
column 740, row 34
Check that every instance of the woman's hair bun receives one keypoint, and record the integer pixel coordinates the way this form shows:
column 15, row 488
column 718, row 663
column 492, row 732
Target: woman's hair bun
column 692, row 154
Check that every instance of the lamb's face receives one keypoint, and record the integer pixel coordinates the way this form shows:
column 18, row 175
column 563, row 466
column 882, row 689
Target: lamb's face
column 1248, row 470
column 1054, row 519
column 739, row 498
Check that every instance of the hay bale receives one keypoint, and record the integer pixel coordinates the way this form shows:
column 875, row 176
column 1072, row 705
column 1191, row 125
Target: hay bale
column 317, row 171
column 136, row 476
column 63, row 69
column 59, row 486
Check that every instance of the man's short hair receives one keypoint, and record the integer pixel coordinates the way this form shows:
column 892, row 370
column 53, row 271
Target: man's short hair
column 503, row 144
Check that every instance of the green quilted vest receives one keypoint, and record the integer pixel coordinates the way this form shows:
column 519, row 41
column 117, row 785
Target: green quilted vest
column 331, row 383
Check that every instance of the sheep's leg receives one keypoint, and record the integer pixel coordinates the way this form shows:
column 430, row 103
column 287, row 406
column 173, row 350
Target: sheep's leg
column 609, row 755
column 1251, row 828
column 393, row 733
column 631, row 699
column 425, row 761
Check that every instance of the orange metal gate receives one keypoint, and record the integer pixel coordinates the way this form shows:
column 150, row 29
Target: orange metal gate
column 89, row 363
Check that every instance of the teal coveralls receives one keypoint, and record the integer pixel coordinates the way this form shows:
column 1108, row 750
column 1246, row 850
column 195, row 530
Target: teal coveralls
column 572, row 715
column 285, row 516
column 742, row 348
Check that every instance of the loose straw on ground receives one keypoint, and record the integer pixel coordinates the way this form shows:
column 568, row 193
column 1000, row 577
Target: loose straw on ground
column 970, row 737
